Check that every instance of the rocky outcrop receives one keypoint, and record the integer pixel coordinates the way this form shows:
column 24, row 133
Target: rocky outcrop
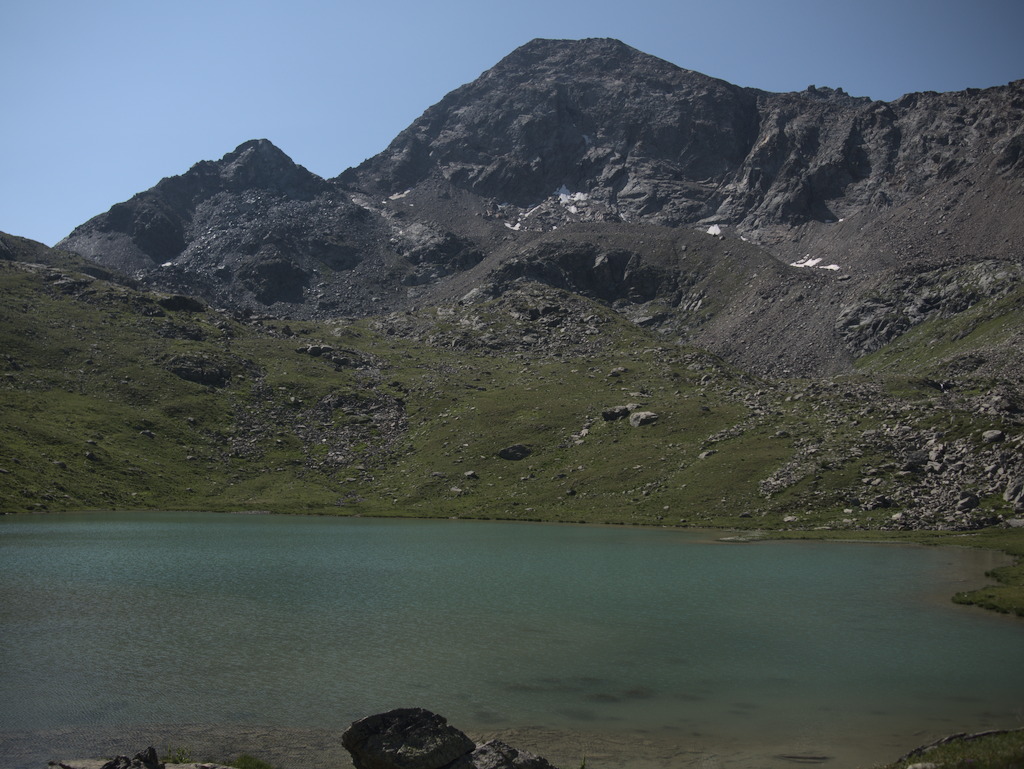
column 145, row 759
column 871, row 321
column 413, row 738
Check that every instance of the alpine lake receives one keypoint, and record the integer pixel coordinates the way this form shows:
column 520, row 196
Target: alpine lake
column 623, row 647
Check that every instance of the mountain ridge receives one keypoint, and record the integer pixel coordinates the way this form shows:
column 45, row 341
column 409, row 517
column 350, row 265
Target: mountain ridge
column 592, row 136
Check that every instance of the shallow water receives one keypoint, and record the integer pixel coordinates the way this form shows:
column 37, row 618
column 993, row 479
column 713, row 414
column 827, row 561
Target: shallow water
column 633, row 647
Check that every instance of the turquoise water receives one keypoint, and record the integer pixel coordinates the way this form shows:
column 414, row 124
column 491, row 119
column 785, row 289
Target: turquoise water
column 111, row 620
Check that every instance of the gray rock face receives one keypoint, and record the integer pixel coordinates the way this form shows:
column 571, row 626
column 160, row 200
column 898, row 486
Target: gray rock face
column 407, row 738
column 638, row 418
column 1014, row 493
column 588, row 114
column 644, row 138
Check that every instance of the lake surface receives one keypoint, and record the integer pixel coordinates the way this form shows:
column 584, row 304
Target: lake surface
column 633, row 647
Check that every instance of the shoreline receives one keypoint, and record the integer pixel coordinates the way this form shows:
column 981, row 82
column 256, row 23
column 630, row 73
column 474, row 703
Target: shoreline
column 307, row 748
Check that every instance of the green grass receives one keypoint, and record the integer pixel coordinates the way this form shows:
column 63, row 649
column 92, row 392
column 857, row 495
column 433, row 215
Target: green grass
column 411, row 423
column 998, row 750
column 246, row 761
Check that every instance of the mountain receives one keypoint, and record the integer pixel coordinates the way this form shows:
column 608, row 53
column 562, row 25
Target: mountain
column 587, row 286
column 843, row 221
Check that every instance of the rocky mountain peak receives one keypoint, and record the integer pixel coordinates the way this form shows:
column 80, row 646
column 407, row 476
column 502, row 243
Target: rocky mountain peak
column 589, row 115
column 565, row 56
column 240, row 210
column 259, row 164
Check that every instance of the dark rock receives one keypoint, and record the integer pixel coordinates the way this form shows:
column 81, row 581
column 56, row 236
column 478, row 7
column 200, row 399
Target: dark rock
column 179, row 303
column 614, row 413
column 199, row 369
column 406, row 738
column 515, row 452
column 967, row 501
column 496, row 754
column 274, row 278
column 146, row 759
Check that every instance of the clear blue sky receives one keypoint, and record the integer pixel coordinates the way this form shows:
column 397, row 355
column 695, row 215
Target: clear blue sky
column 100, row 99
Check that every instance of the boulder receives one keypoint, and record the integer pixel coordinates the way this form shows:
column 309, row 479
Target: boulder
column 1014, row 493
column 638, row 418
column 498, row 755
column 406, row 738
column 413, row 738
column 615, row 412
column 145, row 759
column 967, row 501
column 515, row 452
column 200, row 369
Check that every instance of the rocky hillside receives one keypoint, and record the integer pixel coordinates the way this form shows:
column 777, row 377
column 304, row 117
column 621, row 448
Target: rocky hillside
column 790, row 233
column 589, row 285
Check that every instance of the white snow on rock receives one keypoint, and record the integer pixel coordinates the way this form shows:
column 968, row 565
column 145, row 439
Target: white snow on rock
column 399, row 195
column 566, row 197
column 807, row 261
column 714, row 229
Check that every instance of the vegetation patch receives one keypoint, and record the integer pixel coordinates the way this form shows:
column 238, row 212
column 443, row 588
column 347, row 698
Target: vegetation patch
column 987, row 750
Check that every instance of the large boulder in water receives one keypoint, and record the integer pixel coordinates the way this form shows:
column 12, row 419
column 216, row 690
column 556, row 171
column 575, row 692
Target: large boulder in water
column 413, row 738
column 406, row 738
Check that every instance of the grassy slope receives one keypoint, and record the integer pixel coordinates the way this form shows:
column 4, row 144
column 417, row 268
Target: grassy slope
column 94, row 418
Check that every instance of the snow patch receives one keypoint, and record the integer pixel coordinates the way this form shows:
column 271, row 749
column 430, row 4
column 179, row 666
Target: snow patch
column 808, row 261
column 516, row 227
column 167, row 264
column 714, row 229
column 566, row 197
column 399, row 195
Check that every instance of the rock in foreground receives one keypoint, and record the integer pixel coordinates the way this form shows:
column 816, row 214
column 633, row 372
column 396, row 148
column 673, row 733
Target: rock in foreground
column 413, row 738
